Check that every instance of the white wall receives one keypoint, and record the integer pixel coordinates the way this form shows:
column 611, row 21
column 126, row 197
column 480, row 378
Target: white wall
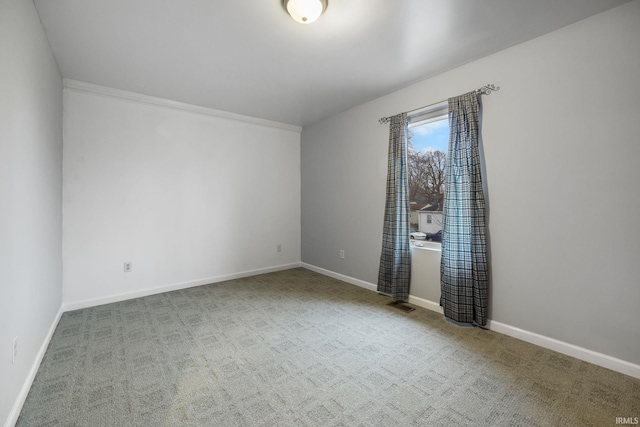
column 425, row 271
column 30, row 196
column 186, row 196
column 560, row 137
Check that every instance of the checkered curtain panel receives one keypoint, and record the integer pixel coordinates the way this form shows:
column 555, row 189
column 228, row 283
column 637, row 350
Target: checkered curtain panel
column 395, row 261
column 463, row 267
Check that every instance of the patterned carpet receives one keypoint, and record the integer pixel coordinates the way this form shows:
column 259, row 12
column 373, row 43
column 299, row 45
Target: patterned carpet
column 296, row 348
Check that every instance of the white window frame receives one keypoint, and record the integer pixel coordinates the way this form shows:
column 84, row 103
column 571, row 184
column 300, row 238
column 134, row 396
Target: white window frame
column 423, row 116
column 430, row 114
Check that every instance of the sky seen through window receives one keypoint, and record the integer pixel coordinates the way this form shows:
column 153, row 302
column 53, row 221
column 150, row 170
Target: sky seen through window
column 431, row 137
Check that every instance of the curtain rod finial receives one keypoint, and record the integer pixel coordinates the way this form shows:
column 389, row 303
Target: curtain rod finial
column 486, row 90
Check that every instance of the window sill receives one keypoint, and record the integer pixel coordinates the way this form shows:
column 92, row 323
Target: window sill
column 426, row 245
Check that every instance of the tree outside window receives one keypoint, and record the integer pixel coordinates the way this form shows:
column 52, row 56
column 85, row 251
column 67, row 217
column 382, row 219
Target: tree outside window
column 428, row 144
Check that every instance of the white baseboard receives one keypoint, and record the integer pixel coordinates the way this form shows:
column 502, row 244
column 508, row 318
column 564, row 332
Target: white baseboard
column 420, row 302
column 425, row 303
column 348, row 279
column 580, row 353
column 26, row 386
column 76, row 305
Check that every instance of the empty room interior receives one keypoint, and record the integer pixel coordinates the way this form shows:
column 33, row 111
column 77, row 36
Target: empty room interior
column 199, row 225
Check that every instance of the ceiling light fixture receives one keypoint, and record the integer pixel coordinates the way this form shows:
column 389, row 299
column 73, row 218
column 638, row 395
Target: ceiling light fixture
column 305, row 11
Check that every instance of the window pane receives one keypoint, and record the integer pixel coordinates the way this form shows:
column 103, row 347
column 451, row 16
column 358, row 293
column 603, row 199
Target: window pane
column 428, row 145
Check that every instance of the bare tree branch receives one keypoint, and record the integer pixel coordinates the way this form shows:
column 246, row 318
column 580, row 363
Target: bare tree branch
column 426, row 175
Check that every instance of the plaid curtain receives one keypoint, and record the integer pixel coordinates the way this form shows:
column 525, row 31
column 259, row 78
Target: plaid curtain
column 463, row 268
column 395, row 261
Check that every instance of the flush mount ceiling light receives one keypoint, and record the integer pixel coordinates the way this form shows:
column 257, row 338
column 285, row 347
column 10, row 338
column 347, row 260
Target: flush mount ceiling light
column 305, row 11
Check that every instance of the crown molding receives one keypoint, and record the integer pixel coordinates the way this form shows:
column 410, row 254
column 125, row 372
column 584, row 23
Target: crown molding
column 84, row 87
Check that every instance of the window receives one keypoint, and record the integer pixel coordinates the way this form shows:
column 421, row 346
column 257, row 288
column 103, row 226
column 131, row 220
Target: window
column 428, row 142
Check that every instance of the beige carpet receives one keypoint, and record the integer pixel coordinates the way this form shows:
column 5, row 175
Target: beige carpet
column 296, row 348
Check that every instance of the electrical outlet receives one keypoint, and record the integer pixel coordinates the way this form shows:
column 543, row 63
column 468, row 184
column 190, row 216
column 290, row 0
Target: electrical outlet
column 341, row 253
column 279, row 247
column 14, row 353
column 127, row 267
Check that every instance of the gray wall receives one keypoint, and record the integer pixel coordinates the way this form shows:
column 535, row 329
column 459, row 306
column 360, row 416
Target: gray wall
column 30, row 193
column 562, row 154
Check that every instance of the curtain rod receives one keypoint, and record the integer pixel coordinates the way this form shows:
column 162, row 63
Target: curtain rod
column 484, row 90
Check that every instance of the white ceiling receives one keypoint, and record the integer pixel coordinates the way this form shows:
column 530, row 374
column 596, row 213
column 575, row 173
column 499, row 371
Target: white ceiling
column 249, row 57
